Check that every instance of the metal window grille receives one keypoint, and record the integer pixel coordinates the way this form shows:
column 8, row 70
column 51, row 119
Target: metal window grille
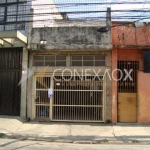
column 128, row 85
column 49, row 60
column 88, row 60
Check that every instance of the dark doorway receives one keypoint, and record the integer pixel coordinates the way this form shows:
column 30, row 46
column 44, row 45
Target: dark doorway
column 10, row 75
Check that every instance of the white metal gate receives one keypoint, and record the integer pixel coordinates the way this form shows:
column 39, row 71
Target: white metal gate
column 42, row 102
column 74, row 99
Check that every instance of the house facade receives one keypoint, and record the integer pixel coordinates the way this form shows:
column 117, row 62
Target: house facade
column 130, row 92
column 69, row 82
column 14, row 56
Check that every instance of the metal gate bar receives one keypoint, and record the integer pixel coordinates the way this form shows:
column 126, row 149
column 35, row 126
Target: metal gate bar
column 42, row 102
column 128, row 85
column 77, row 99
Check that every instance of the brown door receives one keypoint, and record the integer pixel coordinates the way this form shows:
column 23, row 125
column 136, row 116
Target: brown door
column 127, row 91
column 127, row 107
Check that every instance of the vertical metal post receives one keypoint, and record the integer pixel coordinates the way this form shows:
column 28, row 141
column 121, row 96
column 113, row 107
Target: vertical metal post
column 33, row 107
column 104, row 99
column 51, row 99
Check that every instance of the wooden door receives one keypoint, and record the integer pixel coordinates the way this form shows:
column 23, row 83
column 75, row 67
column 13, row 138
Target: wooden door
column 127, row 107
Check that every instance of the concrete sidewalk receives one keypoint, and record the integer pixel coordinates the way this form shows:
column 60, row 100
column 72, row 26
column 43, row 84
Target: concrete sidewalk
column 15, row 127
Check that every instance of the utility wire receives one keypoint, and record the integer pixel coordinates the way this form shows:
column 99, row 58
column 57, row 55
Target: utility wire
column 79, row 14
column 83, row 3
column 74, row 12
column 76, row 4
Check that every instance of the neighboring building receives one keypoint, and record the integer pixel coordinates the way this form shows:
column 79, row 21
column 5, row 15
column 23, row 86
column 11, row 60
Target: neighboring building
column 61, row 65
column 13, row 56
column 131, row 98
column 45, row 13
column 13, row 15
column 17, row 18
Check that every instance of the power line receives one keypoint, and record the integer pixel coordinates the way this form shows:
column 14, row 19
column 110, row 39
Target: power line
column 74, row 12
column 72, row 4
column 79, row 14
column 70, row 21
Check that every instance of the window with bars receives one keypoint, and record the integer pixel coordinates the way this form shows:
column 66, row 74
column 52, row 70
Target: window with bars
column 49, row 60
column 88, row 60
column 130, row 84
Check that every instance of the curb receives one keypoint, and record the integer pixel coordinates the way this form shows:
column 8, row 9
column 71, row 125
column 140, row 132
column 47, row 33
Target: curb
column 105, row 141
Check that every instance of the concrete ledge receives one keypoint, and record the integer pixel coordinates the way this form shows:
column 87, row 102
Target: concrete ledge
column 13, row 34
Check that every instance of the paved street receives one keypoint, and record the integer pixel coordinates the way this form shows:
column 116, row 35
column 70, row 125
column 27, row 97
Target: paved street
column 12, row 144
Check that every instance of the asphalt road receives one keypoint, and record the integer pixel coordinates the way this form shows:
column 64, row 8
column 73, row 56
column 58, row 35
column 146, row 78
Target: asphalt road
column 12, row 144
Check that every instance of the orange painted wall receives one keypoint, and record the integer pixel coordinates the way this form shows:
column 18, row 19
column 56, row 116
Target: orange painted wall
column 125, row 35
column 114, row 86
column 122, row 54
column 143, row 97
column 131, row 55
column 137, row 39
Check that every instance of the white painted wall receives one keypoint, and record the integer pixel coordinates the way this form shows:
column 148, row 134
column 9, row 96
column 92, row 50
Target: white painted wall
column 45, row 6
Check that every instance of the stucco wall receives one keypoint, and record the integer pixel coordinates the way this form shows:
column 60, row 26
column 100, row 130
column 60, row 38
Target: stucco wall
column 71, row 38
column 143, row 97
column 79, row 23
column 128, row 35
